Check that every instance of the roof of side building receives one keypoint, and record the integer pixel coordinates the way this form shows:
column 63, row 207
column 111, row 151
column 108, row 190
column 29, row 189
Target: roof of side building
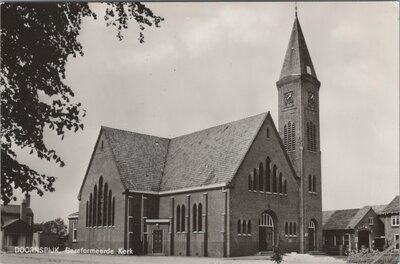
column 392, row 207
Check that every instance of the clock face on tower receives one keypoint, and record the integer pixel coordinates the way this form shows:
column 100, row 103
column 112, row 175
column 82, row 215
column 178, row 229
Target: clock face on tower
column 311, row 100
column 288, row 99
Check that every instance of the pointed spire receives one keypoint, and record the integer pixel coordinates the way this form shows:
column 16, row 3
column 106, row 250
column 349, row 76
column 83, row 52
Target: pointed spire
column 297, row 59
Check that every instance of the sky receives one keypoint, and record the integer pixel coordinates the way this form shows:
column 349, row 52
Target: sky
column 212, row 63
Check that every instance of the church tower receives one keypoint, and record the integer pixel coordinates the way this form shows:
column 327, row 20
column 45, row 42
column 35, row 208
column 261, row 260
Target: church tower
column 298, row 89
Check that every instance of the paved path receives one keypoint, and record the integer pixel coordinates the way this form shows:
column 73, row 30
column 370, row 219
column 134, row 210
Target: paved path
column 12, row 258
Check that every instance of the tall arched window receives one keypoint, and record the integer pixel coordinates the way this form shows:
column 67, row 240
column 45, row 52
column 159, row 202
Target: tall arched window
column 309, row 183
column 290, row 229
column 95, row 206
column 91, row 210
column 294, row 229
column 178, row 218
column 105, row 205
column 261, row 177
column 113, row 211
column 194, row 216
column 274, row 187
column 239, row 227
column 286, row 228
column 109, row 208
column 285, row 137
column 280, row 183
column 100, row 202
column 314, row 137
column 268, row 174
column 244, row 231
column 249, row 227
column 314, row 184
column 183, row 222
column 285, row 187
column 200, row 218
column 87, row 213
column 255, row 179
column 250, row 183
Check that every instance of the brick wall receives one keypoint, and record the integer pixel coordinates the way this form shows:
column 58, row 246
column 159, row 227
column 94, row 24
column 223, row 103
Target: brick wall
column 110, row 236
column 249, row 205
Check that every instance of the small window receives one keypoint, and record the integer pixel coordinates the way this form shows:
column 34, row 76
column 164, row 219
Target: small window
column 308, row 69
column 74, row 231
column 395, row 220
column 371, row 221
column 267, row 132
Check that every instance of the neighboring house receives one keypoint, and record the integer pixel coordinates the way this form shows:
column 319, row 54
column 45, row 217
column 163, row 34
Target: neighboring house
column 230, row 190
column 73, row 230
column 351, row 229
column 390, row 217
column 16, row 225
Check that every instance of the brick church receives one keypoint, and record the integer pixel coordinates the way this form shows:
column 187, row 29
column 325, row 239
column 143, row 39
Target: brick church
column 231, row 190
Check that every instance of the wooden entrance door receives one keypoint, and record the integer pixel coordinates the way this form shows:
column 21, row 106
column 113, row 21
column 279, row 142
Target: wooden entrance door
column 266, row 233
column 270, row 238
column 312, row 236
column 262, row 231
column 157, row 241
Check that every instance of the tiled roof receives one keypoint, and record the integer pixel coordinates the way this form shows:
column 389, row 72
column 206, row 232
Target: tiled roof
column 326, row 215
column 392, row 207
column 297, row 57
column 209, row 156
column 206, row 157
column 378, row 208
column 14, row 209
column 139, row 158
column 340, row 219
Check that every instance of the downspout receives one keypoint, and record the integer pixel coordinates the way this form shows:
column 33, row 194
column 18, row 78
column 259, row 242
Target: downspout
column 125, row 220
column 302, row 229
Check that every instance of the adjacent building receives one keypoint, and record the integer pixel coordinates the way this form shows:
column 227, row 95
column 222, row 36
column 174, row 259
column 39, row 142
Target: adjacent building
column 390, row 217
column 16, row 225
column 351, row 229
column 234, row 189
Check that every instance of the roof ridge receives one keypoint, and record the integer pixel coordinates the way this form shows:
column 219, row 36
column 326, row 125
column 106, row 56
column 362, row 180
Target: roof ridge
column 134, row 132
column 220, row 125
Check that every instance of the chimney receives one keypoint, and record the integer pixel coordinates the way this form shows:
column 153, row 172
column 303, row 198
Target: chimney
column 28, row 200
column 22, row 213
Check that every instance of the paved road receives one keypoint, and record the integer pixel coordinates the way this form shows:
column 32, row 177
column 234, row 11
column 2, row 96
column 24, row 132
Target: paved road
column 116, row 259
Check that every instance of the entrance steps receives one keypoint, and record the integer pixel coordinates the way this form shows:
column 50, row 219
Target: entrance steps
column 317, row 253
column 265, row 253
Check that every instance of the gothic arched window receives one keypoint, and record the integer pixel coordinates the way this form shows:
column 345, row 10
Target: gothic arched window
column 183, row 222
column 90, row 210
column 200, row 217
column 261, row 178
column 309, row 183
column 250, row 183
column 113, row 211
column 293, row 136
column 100, row 202
column 239, row 227
column 178, row 218
column 105, row 205
column 285, row 137
column 268, row 175
column 95, row 206
column 285, row 187
column 255, row 183
column 87, row 213
column 109, row 208
column 244, row 231
column 280, row 183
column 249, row 227
column 194, row 216
column 274, row 187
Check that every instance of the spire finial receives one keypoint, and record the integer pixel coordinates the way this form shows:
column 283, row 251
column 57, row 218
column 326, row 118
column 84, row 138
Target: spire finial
column 295, row 8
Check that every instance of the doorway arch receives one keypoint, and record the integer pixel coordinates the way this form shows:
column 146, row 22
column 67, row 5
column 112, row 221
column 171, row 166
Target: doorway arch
column 266, row 231
column 312, row 235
